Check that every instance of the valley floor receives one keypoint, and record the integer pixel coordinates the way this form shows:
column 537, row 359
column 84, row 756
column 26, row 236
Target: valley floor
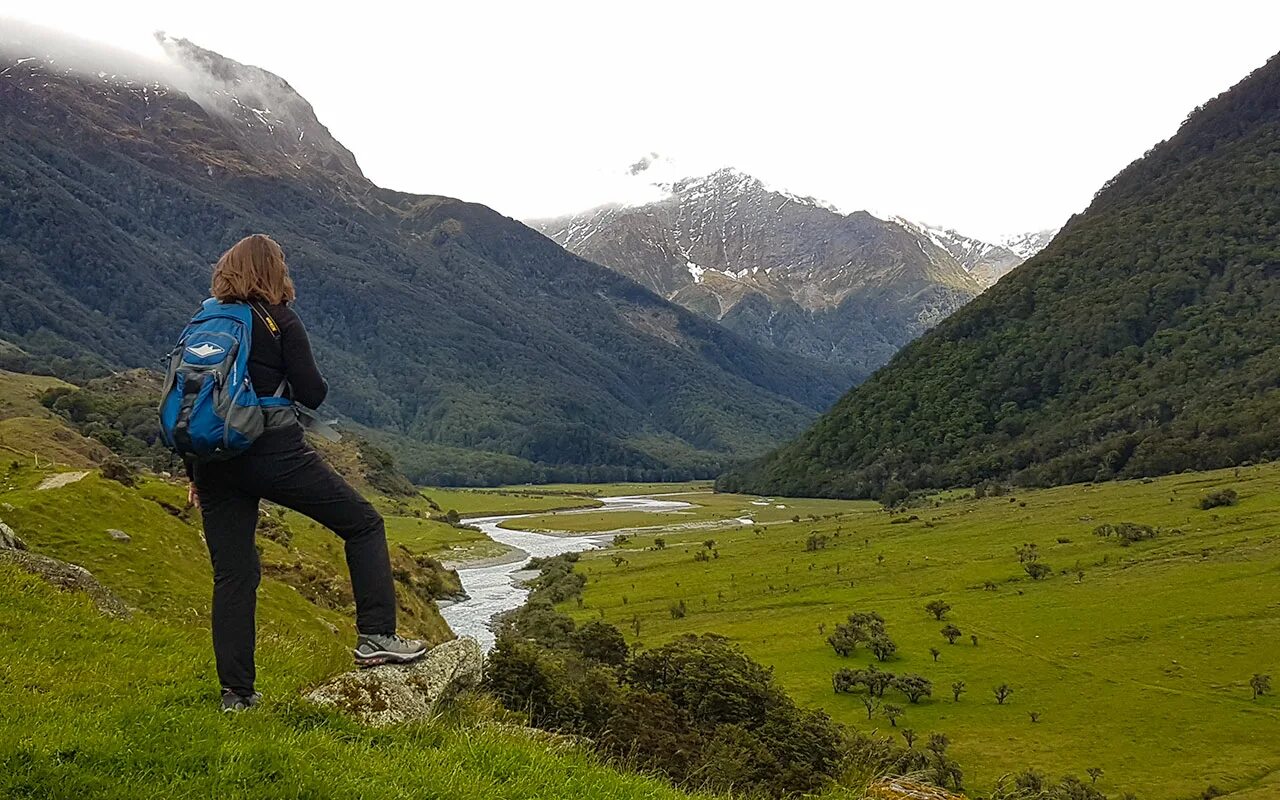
column 1134, row 659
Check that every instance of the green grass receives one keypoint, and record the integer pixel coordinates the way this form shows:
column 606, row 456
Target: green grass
column 1141, row 668
column 622, row 489
column 101, row 708
column 105, row 709
column 707, row 509
column 545, row 497
column 482, row 502
column 440, row 539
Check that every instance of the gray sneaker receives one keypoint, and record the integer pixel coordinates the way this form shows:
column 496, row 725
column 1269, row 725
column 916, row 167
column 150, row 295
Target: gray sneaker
column 231, row 701
column 387, row 648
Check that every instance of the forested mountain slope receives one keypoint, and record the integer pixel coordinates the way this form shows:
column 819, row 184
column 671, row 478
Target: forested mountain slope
column 1143, row 340
column 441, row 323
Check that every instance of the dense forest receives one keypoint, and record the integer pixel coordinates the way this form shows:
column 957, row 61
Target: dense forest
column 1142, row 341
column 477, row 349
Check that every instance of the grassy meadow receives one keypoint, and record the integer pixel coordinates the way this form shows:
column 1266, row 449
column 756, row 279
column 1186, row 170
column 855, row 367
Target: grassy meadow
column 1135, row 660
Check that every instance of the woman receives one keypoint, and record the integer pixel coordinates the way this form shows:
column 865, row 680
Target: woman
column 281, row 467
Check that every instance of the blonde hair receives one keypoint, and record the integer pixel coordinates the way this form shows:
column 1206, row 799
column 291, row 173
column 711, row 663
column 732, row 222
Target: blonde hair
column 253, row 269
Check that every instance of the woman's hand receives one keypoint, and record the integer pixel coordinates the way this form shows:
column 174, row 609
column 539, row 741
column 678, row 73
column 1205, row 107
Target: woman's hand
column 193, row 497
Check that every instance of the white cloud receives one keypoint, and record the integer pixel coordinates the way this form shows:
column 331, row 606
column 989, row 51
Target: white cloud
column 986, row 117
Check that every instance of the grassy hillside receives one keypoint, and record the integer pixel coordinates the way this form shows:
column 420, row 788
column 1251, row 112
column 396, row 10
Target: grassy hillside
column 1140, row 342
column 123, row 709
column 105, row 708
column 1136, row 659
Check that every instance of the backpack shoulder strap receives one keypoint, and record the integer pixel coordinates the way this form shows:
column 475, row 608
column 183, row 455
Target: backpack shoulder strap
column 265, row 316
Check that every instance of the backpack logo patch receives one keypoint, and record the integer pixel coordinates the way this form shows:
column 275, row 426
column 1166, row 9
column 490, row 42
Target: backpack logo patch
column 205, row 350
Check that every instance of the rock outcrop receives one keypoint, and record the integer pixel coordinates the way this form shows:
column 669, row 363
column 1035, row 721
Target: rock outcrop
column 394, row 694
column 68, row 577
column 9, row 540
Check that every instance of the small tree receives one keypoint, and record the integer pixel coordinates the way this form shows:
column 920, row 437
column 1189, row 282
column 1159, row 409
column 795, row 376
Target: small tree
column 1260, row 684
column 1027, row 553
column 843, row 640
column 935, row 652
column 910, row 735
column 957, row 689
column 914, row 687
column 678, row 610
column 893, row 712
column 938, row 608
column 1094, row 773
column 659, row 543
column 1222, row 497
column 710, row 544
column 876, row 680
column 951, row 633
column 1037, row 570
column 881, row 646
column 845, row 680
column 973, row 637
column 1002, row 693
column 870, row 702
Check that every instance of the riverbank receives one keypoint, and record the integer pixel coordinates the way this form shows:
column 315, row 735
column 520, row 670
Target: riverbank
column 493, row 585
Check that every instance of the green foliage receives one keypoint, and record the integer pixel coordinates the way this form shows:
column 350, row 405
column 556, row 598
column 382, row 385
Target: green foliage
column 1140, row 342
column 695, row 710
column 1037, row 570
column 915, row 687
column 938, row 608
column 601, row 642
column 859, row 629
column 381, row 472
column 120, row 412
column 1126, row 533
column 1219, row 498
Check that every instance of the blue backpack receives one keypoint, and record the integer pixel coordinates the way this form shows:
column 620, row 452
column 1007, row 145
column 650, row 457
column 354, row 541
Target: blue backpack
column 209, row 410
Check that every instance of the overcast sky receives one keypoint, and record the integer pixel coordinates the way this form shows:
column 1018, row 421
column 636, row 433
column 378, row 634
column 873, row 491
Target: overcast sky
column 988, row 117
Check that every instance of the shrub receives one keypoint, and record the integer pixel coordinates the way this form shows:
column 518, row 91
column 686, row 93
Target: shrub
column 1221, row 497
column 1037, row 570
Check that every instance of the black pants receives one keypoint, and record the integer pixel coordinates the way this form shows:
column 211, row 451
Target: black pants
column 282, row 467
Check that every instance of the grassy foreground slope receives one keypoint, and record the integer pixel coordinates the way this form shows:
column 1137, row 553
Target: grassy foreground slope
column 1139, row 666
column 107, row 708
column 122, row 709
column 1140, row 342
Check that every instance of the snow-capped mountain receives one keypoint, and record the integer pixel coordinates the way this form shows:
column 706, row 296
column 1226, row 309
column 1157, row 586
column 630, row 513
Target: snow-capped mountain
column 1027, row 245
column 987, row 262
column 785, row 269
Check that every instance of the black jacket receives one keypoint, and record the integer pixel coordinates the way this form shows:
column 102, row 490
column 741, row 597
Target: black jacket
column 284, row 353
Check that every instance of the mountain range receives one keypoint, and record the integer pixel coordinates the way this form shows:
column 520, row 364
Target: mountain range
column 478, row 349
column 1141, row 341
column 790, row 271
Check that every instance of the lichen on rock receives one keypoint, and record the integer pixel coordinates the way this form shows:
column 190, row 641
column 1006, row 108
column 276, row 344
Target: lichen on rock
column 397, row 693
